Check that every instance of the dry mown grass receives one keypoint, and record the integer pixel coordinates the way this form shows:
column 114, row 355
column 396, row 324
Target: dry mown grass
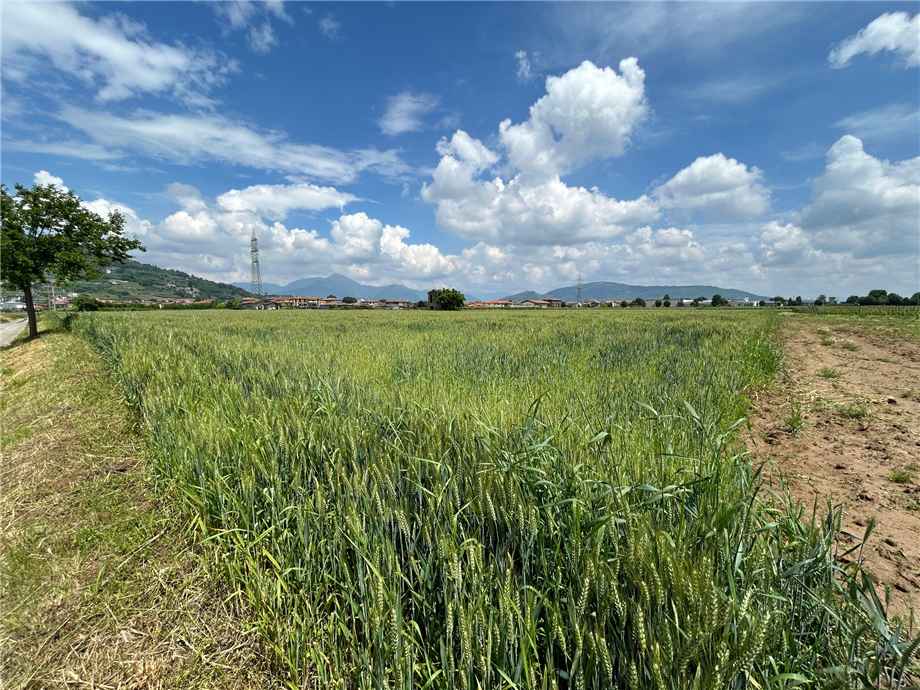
column 99, row 588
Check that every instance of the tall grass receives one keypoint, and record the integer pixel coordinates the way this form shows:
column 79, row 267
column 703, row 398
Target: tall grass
column 552, row 500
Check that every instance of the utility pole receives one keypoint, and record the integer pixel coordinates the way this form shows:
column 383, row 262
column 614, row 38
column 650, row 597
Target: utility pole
column 578, row 291
column 256, row 277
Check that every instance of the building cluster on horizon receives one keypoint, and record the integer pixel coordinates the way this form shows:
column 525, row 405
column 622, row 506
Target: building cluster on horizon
column 330, row 302
column 555, row 303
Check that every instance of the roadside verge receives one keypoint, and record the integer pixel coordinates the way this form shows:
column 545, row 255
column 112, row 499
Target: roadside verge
column 100, row 586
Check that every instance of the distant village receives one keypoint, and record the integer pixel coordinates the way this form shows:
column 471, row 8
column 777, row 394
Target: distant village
column 273, row 302
column 189, row 298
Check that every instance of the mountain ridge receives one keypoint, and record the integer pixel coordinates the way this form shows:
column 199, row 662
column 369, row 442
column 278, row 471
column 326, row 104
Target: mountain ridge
column 605, row 290
column 340, row 286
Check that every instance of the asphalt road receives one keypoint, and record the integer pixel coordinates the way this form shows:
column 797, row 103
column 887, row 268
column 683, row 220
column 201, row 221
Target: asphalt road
column 10, row 330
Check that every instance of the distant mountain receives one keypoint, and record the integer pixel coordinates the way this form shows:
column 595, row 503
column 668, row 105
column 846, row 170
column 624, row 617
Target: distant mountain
column 133, row 280
column 521, row 296
column 341, row 286
column 608, row 291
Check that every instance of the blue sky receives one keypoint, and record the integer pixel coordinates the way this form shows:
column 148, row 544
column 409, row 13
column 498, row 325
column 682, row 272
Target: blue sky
column 495, row 147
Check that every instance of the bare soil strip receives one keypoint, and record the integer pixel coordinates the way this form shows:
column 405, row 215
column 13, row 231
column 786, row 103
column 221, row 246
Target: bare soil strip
column 844, row 426
column 98, row 587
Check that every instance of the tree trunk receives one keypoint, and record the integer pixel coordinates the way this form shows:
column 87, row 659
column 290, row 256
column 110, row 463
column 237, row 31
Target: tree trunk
column 30, row 309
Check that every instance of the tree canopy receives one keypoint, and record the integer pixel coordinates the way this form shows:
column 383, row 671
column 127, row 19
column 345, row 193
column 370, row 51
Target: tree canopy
column 446, row 299
column 48, row 234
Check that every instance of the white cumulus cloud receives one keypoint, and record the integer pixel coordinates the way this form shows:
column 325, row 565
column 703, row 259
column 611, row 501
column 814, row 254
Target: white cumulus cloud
column 546, row 212
column 43, row 177
column 716, row 187
column 588, row 113
column 864, row 205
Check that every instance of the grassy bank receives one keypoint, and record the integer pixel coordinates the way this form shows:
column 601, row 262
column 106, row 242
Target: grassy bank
column 98, row 587
column 495, row 500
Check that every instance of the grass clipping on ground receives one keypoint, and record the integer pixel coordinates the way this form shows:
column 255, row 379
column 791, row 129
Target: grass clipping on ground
column 98, row 588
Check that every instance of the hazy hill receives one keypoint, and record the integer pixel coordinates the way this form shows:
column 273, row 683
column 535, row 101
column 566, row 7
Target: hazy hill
column 607, row 291
column 133, row 280
column 341, row 286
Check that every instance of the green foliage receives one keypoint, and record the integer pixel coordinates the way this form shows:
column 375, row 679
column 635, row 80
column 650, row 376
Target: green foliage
column 349, row 300
column 901, row 476
column 883, row 297
column 795, row 419
column 48, row 233
column 133, row 280
column 853, row 410
column 510, row 500
column 446, row 299
column 719, row 301
column 85, row 303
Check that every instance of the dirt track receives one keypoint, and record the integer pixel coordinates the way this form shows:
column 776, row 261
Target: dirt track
column 10, row 330
column 845, row 424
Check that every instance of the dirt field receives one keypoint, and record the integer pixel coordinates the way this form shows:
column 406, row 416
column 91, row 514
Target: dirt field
column 844, row 425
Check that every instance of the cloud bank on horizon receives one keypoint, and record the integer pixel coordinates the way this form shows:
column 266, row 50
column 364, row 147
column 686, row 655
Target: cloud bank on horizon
column 489, row 176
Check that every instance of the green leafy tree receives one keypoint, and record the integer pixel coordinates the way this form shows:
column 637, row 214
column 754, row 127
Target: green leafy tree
column 667, row 302
column 915, row 298
column 446, row 299
column 47, row 233
column 853, row 299
column 877, row 297
column 719, row 301
column 638, row 302
column 349, row 300
column 657, row 302
column 894, row 299
column 821, row 300
column 85, row 303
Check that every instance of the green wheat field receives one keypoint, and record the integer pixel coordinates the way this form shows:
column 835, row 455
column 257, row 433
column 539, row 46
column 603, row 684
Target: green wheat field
column 497, row 500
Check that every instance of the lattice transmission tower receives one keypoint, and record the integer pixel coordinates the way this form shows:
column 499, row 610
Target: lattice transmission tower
column 256, row 278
